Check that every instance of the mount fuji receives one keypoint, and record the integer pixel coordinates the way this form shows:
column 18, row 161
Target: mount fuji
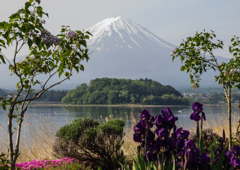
column 123, row 49
column 122, row 33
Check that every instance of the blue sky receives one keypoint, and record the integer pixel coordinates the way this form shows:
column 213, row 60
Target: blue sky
column 171, row 20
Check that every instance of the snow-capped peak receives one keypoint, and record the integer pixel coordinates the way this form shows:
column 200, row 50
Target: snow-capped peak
column 121, row 32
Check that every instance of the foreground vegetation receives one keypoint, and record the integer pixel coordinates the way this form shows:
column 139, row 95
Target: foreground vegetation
column 39, row 140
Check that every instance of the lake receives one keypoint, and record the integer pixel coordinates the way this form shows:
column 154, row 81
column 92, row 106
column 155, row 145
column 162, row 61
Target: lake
column 62, row 115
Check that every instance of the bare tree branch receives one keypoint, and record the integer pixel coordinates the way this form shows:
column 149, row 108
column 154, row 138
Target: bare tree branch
column 24, row 41
column 38, row 94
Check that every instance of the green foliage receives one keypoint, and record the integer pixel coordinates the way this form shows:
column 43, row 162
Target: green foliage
column 121, row 91
column 87, row 140
column 192, row 53
column 48, row 54
column 76, row 128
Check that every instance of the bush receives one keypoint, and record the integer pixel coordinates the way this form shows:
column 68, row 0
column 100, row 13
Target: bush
column 87, row 140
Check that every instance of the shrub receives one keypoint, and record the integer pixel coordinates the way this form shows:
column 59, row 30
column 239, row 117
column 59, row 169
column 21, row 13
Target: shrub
column 87, row 140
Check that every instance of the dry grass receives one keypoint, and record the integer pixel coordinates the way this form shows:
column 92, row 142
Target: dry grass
column 37, row 140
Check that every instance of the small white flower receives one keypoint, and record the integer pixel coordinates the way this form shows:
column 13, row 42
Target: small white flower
column 233, row 71
column 194, row 86
column 59, row 48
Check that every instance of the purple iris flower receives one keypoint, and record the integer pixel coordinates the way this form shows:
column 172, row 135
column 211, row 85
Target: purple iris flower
column 193, row 154
column 150, row 135
column 145, row 115
column 146, row 119
column 195, row 116
column 204, row 162
column 139, row 128
column 137, row 137
column 236, row 150
column 234, row 161
column 189, row 144
column 171, row 144
column 158, row 120
column 227, row 157
column 166, row 119
column 179, row 144
column 162, row 132
column 204, row 158
column 182, row 133
column 152, row 152
column 166, row 112
column 197, row 106
column 151, row 155
column 147, row 123
column 150, row 139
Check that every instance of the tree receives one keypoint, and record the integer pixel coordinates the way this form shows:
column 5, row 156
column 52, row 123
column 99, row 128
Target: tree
column 192, row 53
column 49, row 54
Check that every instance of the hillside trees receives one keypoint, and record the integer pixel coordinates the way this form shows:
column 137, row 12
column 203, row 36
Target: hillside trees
column 48, row 54
column 121, row 91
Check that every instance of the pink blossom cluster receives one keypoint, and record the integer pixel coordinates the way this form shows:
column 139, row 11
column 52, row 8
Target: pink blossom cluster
column 43, row 163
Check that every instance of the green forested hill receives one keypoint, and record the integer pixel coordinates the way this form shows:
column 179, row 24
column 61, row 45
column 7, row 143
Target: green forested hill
column 121, row 91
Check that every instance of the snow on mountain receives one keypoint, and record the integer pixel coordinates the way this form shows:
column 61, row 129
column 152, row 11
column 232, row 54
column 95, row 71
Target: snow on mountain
column 120, row 33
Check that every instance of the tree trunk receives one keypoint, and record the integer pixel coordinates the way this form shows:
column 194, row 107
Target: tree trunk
column 18, row 140
column 229, row 117
column 10, row 133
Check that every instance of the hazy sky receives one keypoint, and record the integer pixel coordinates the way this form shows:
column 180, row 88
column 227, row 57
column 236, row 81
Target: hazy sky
column 171, row 20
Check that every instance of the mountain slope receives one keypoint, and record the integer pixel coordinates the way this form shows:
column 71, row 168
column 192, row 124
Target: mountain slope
column 124, row 49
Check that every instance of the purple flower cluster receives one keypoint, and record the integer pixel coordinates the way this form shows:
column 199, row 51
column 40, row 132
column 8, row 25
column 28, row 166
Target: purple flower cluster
column 48, row 38
column 166, row 140
column 163, row 142
column 71, row 34
column 42, row 21
column 31, row 33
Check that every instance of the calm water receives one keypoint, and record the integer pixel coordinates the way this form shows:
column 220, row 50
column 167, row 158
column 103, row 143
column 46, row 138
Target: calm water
column 62, row 115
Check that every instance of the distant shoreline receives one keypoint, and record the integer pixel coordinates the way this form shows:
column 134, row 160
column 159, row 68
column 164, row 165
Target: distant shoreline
column 110, row 105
